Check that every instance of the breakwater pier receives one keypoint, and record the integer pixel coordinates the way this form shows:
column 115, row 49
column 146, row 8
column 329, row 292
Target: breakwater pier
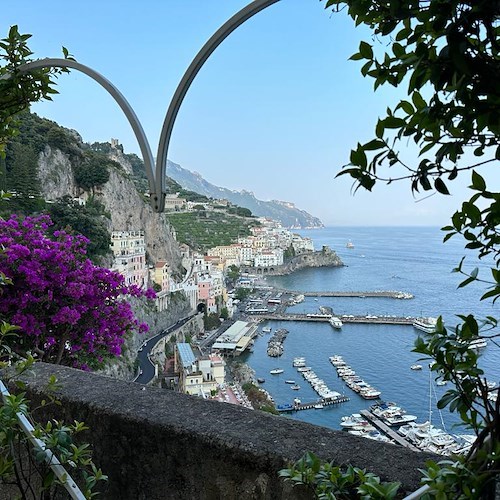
column 382, row 320
column 287, row 408
column 387, row 294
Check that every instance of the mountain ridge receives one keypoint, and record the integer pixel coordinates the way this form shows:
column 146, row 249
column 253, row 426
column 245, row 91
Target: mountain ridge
column 283, row 211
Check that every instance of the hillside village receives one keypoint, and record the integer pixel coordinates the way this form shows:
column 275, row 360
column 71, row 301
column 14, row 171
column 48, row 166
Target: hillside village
column 196, row 256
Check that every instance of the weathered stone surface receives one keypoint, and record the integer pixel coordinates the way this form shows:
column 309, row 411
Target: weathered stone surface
column 127, row 208
column 157, row 444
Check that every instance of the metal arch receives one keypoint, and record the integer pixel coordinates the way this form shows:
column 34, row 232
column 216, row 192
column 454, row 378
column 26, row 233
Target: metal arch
column 121, row 101
column 157, row 178
column 216, row 39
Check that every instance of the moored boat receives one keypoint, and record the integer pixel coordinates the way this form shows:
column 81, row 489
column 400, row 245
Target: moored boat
column 335, row 322
column 276, row 371
column 427, row 325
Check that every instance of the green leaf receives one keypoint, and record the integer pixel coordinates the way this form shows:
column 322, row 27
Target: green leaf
column 478, row 182
column 407, row 107
column 365, row 49
column 418, row 100
column 374, row 145
column 440, row 186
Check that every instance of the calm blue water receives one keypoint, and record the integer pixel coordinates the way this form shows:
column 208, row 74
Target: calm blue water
column 406, row 259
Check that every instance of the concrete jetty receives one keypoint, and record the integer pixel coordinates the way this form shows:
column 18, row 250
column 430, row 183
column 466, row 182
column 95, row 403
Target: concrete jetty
column 388, row 294
column 385, row 429
column 309, row 406
column 383, row 320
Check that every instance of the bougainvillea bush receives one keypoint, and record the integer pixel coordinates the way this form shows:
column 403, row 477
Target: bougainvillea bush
column 69, row 311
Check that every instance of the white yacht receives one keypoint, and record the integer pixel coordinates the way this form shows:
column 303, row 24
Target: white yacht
column 299, row 362
column 427, row 325
column 477, row 344
column 335, row 322
column 276, row 371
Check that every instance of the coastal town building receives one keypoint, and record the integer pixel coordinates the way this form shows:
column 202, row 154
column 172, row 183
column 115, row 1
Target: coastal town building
column 236, row 338
column 198, row 376
column 174, row 203
column 129, row 252
column 269, row 258
column 161, row 275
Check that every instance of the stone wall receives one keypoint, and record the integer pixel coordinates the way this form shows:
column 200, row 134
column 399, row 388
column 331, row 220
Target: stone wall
column 157, row 444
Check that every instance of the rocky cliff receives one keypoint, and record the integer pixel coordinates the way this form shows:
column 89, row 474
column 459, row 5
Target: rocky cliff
column 127, row 208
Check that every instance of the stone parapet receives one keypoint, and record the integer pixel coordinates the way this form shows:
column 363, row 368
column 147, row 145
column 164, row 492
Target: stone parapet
column 157, row 444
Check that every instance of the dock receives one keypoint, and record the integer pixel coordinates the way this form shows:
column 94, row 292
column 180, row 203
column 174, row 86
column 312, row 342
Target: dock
column 382, row 320
column 310, row 406
column 385, row 429
column 387, row 294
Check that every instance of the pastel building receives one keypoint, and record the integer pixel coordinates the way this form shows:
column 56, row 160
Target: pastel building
column 161, row 275
column 129, row 250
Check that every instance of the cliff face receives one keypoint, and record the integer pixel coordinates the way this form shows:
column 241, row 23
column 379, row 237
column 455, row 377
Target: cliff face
column 128, row 210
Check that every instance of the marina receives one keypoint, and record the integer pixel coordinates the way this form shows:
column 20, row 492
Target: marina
column 378, row 335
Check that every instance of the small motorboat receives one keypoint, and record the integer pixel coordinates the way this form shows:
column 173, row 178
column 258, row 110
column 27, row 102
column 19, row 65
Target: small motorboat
column 295, row 387
column 261, row 380
column 276, row 371
column 289, row 381
column 415, row 367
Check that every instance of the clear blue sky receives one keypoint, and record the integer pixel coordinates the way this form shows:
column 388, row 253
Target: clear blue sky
column 275, row 110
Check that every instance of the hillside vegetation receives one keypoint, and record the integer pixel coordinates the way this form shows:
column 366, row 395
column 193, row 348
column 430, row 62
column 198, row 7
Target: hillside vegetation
column 91, row 164
column 203, row 229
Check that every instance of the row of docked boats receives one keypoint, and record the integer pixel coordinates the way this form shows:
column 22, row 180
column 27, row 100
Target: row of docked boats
column 428, row 438
column 425, row 436
column 317, row 384
column 275, row 344
column 357, row 425
column 428, row 325
column 352, row 380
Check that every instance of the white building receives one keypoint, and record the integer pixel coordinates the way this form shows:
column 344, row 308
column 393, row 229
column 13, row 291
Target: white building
column 236, row 338
column 201, row 376
column 269, row 258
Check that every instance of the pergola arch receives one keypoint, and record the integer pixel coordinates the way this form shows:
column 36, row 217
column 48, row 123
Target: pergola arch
column 156, row 173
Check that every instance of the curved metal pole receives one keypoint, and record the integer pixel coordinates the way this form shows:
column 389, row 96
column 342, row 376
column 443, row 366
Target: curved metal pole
column 217, row 38
column 121, row 101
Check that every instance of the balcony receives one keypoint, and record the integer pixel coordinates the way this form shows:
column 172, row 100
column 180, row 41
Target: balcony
column 157, row 444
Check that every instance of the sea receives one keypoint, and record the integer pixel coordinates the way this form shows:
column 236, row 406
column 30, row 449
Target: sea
column 407, row 259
